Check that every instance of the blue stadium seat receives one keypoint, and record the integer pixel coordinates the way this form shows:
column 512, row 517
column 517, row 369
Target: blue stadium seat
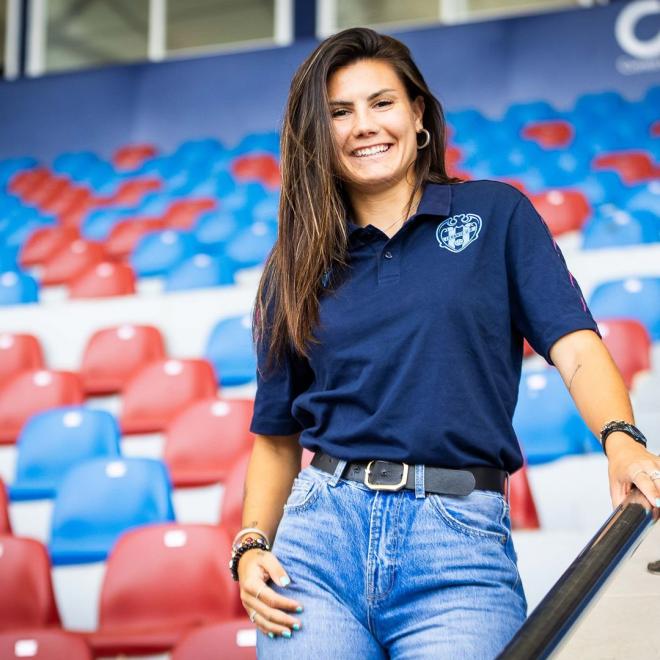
column 200, row 271
column 252, row 245
column 214, row 229
column 633, row 298
column 619, row 228
column 645, row 197
column 159, row 251
column 519, row 114
column 229, row 349
column 546, row 420
column 11, row 166
column 54, row 441
column 17, row 287
column 258, row 142
column 99, row 499
column 76, row 165
column 99, row 223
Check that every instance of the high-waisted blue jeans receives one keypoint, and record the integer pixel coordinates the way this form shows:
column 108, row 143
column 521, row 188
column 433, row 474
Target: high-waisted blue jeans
column 403, row 574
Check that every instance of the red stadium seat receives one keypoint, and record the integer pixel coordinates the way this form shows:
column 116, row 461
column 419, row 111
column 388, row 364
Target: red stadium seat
column 112, row 355
column 132, row 156
column 44, row 645
column 70, row 261
column 18, row 352
column 184, row 213
column 231, row 513
column 45, row 242
column 27, row 592
column 521, row 500
column 126, row 234
column 132, row 191
column 632, row 166
column 237, row 639
column 549, row 134
column 262, row 167
column 70, row 197
column 52, row 187
column 562, row 210
column 33, row 391
column 24, row 182
column 156, row 393
column 103, row 280
column 5, row 523
column 161, row 582
column 204, row 440
column 629, row 344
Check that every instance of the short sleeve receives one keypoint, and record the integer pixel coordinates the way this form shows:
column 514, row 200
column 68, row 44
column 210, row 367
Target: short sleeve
column 276, row 391
column 546, row 300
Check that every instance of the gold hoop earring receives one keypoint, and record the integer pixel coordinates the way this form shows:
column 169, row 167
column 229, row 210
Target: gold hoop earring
column 427, row 141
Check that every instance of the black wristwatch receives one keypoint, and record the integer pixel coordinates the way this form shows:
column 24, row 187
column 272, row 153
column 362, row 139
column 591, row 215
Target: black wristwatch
column 624, row 427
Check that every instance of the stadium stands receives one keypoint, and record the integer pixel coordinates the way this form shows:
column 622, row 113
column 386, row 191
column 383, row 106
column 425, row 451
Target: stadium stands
column 54, row 441
column 27, row 592
column 44, row 645
column 155, row 393
column 629, row 345
column 229, row 349
column 203, row 442
column 162, row 581
column 18, row 352
column 119, row 494
column 112, row 355
column 237, row 638
column 103, row 279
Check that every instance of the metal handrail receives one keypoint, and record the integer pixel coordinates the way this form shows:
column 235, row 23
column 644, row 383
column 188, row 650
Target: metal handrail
column 567, row 602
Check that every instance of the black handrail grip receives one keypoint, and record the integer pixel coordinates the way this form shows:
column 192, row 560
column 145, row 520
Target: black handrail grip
column 567, row 600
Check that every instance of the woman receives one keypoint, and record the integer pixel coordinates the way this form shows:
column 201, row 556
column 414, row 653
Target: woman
column 389, row 325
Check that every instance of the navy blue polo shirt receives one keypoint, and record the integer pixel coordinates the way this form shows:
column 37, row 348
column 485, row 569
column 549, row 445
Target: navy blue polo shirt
column 421, row 342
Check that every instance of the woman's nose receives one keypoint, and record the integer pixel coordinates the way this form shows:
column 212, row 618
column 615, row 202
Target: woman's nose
column 364, row 123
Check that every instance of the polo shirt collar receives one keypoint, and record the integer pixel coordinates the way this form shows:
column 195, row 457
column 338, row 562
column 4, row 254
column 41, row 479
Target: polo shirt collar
column 436, row 200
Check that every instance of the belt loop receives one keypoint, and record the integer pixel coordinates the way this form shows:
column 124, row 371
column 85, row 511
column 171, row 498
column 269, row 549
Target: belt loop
column 420, row 490
column 339, row 469
column 507, row 489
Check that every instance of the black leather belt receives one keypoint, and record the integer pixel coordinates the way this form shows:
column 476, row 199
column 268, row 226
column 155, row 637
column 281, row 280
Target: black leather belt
column 389, row 475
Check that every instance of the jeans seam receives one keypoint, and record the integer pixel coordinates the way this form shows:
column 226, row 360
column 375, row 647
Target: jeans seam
column 460, row 527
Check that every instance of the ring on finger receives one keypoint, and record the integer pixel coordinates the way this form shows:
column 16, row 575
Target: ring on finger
column 655, row 475
column 253, row 616
column 263, row 586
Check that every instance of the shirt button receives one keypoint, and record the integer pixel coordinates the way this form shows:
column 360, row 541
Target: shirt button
column 388, row 255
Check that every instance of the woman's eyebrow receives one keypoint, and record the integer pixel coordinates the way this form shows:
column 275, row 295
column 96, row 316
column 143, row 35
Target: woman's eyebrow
column 369, row 98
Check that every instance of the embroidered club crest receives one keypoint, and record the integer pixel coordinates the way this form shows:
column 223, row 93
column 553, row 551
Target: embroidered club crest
column 457, row 232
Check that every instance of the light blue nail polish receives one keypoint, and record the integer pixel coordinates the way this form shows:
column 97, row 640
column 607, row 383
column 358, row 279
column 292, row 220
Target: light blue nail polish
column 286, row 633
column 296, row 626
column 270, row 634
column 299, row 609
column 284, row 581
column 657, row 501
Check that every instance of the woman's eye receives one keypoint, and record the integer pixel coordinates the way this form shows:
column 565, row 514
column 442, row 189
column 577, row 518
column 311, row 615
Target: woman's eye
column 338, row 113
column 383, row 103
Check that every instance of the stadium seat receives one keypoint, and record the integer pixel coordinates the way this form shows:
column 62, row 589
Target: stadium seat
column 204, row 440
column 132, row 156
column 251, row 246
column 17, row 288
column 118, row 494
column 550, row 134
column 27, row 591
column 231, row 512
column 112, row 355
column 159, row 251
column 132, row 191
column 184, row 213
column 562, row 210
column 5, row 522
column 629, row 345
column 18, row 352
column 126, row 234
column 631, row 166
column 237, row 638
column 70, row 261
column 214, row 229
column 633, row 298
column 159, row 390
column 521, row 500
column 546, row 420
column 162, row 581
column 31, row 392
column 200, row 271
column 44, row 645
column 103, row 280
column 44, row 242
column 229, row 349
column 257, row 167
column 620, row 228
column 54, row 441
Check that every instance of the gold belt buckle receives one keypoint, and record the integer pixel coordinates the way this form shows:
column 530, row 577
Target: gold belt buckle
column 399, row 486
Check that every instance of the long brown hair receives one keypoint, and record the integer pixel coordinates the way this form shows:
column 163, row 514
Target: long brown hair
column 312, row 236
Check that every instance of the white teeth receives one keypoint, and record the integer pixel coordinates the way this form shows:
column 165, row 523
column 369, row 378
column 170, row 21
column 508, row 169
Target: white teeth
column 370, row 151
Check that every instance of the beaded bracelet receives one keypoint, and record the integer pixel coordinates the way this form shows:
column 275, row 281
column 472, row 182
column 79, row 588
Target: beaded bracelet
column 248, row 543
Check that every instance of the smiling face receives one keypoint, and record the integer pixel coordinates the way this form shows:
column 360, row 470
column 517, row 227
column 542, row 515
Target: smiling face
column 374, row 123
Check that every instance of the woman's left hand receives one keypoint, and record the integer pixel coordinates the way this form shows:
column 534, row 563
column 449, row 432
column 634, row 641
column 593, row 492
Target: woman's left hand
column 630, row 464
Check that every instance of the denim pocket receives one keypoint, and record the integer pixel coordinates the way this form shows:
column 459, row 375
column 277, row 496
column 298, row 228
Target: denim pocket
column 481, row 513
column 304, row 492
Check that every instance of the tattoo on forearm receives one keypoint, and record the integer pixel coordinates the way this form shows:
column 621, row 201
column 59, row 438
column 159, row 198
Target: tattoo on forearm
column 570, row 383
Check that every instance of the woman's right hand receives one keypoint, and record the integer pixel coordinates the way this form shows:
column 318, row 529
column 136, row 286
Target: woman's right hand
column 255, row 568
